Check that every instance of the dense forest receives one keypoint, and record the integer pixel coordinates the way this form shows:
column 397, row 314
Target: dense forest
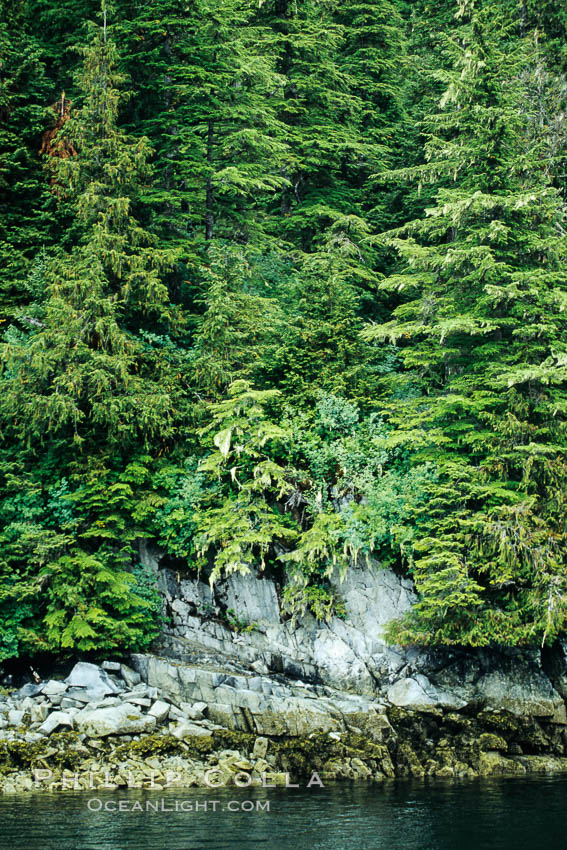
column 283, row 286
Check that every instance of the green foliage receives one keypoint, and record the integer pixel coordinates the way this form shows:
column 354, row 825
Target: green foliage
column 243, row 520
column 77, row 387
column 91, row 603
column 285, row 290
column 237, row 335
column 320, row 600
column 480, row 329
column 23, row 193
column 210, row 94
column 237, row 623
column 68, row 548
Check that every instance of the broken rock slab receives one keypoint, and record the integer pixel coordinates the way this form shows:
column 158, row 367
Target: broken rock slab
column 191, row 730
column 131, row 677
column 159, row 710
column 417, row 693
column 54, row 720
column 53, row 688
column 94, row 679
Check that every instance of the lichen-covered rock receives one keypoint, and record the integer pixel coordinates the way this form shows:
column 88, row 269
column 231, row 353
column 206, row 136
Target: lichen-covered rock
column 489, row 741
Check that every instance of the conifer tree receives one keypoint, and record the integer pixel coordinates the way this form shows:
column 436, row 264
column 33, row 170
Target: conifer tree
column 321, row 348
column 85, row 369
column 210, row 93
column 241, row 528
column 23, row 194
column 481, row 330
column 373, row 57
column 83, row 392
column 320, row 115
column 237, row 335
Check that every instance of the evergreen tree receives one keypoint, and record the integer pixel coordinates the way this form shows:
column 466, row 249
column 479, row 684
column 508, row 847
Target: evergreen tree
column 481, row 332
column 23, row 195
column 320, row 347
column 210, row 93
column 320, row 115
column 243, row 527
column 373, row 56
column 83, row 390
column 84, row 364
column 237, row 336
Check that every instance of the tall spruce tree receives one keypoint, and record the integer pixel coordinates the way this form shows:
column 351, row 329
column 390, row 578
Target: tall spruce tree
column 482, row 334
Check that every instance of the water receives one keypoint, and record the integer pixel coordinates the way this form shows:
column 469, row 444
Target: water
column 511, row 814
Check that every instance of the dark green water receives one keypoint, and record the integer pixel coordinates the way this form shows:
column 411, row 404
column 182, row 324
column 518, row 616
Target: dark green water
column 512, row 814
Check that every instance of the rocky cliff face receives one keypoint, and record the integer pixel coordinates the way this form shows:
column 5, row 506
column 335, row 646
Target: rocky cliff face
column 239, row 629
column 340, row 698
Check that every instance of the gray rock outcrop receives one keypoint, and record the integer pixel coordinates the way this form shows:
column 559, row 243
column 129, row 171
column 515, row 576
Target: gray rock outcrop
column 348, row 655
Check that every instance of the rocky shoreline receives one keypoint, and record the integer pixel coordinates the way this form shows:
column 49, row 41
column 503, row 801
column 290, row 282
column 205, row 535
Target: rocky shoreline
column 111, row 726
column 280, row 702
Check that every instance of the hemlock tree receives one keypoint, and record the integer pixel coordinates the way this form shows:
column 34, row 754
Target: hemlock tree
column 373, row 57
column 321, row 348
column 83, row 393
column 241, row 521
column 320, row 115
column 210, row 94
column 237, row 335
column 481, row 329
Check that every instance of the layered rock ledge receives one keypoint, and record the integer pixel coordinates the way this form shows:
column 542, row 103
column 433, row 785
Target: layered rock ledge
column 162, row 724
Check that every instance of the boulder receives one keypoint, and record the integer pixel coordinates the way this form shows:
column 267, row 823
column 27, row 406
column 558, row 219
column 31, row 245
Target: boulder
column 191, row 730
column 418, row 693
column 54, row 720
column 53, row 688
column 195, row 711
column 27, row 705
column 94, row 679
column 131, row 677
column 15, row 717
column 68, row 702
column 159, row 710
column 261, row 748
column 123, row 719
column 30, row 690
column 38, row 713
column 143, row 702
column 259, row 667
